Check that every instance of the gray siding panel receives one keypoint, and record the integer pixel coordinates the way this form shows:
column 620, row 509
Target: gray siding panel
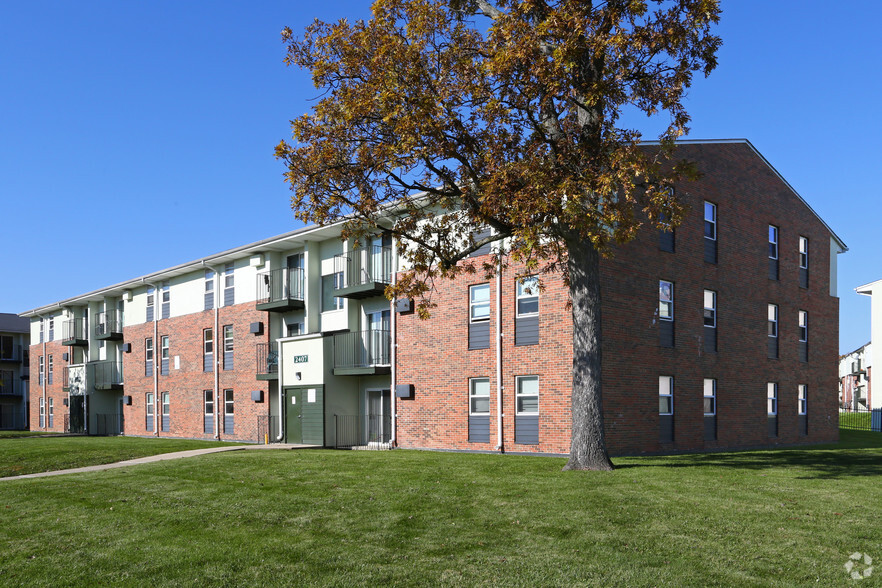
column 773, row 348
column 208, row 424
column 803, row 277
column 229, row 424
column 149, row 314
column 150, row 424
column 485, row 250
column 229, row 296
column 479, row 335
column 526, row 330
column 148, row 368
column 527, row 429
column 666, row 333
column 166, row 310
column 166, row 424
column 710, row 339
column 208, row 362
column 228, row 360
column 803, row 424
column 710, row 428
column 479, row 429
column 666, row 428
column 666, row 241
column 209, row 300
column 773, row 426
column 163, row 370
column 710, row 251
column 773, row 269
column 803, row 352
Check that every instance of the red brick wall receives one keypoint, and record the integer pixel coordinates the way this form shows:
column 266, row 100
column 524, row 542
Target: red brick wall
column 55, row 392
column 186, row 385
column 433, row 354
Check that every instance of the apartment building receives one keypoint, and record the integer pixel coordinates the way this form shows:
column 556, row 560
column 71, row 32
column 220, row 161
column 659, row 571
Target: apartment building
column 721, row 333
column 14, row 371
column 276, row 341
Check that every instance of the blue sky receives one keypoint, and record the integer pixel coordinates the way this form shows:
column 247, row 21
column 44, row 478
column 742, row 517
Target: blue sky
column 138, row 135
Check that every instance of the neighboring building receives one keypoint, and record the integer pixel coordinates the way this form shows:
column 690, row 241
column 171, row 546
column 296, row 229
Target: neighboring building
column 720, row 334
column 855, row 391
column 14, row 371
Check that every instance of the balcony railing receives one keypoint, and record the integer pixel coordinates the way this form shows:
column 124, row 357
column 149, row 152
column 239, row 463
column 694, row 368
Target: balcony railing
column 365, row 271
column 10, row 385
column 362, row 431
column 108, row 325
column 280, row 289
column 362, row 352
column 267, row 361
column 73, row 332
column 104, row 375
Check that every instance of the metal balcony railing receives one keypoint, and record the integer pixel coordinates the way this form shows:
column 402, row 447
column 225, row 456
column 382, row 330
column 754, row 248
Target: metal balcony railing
column 365, row 265
column 362, row 431
column 267, row 358
column 280, row 285
column 73, row 330
column 362, row 349
column 107, row 324
column 104, row 375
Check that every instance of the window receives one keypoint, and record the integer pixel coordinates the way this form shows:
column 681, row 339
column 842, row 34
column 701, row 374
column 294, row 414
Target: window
column 479, row 396
column 803, row 253
column 803, row 326
column 42, row 412
column 41, row 370
column 7, row 349
column 166, row 412
column 52, row 328
column 710, row 308
column 163, row 355
column 801, row 396
column 772, row 396
column 208, row 421
column 479, row 303
column 229, row 286
column 527, row 395
column 228, row 347
column 50, row 371
column 42, row 329
column 665, row 300
column 150, row 410
column 51, row 413
column 150, row 294
column 292, row 329
column 229, row 407
column 330, row 283
column 710, row 397
column 527, row 296
column 148, row 356
column 773, row 320
column 665, row 395
column 207, row 350
column 166, row 300
column 773, row 242
column 209, row 289
column 710, row 221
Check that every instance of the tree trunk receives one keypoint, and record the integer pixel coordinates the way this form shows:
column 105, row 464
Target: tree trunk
column 588, row 447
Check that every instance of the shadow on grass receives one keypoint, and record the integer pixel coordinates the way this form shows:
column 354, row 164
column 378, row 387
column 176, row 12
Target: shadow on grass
column 858, row 454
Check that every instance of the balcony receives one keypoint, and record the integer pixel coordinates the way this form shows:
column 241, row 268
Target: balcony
column 362, row 353
column 108, row 325
column 267, row 361
column 9, row 384
column 73, row 332
column 365, row 272
column 9, row 352
column 280, row 290
column 105, row 375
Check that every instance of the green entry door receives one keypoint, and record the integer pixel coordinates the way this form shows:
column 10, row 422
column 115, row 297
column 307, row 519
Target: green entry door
column 305, row 415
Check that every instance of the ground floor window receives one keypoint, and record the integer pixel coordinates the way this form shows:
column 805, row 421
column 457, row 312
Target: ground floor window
column 710, row 397
column 166, row 412
column 208, row 412
column 51, row 413
column 479, row 410
column 150, row 409
column 42, row 413
column 229, row 423
column 527, row 409
column 801, row 391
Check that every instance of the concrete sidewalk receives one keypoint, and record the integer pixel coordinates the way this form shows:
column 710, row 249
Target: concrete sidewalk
column 155, row 458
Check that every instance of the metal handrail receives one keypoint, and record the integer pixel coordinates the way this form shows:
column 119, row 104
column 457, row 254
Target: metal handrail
column 107, row 322
column 73, row 329
column 359, row 349
column 280, row 284
column 365, row 265
column 267, row 358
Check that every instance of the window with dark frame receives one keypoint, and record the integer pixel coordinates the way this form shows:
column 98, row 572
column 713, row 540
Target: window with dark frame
column 710, row 221
column 773, row 242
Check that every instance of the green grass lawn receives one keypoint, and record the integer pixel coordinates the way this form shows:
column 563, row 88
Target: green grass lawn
column 19, row 434
column 361, row 518
column 28, row 454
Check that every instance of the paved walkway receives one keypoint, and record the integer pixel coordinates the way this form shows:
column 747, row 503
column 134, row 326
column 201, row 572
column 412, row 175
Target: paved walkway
column 155, row 458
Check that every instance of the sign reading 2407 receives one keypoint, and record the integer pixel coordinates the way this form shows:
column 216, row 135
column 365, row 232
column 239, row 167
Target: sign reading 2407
column 300, row 359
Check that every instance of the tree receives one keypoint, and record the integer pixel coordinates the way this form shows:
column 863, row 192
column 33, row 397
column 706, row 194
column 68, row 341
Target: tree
column 443, row 117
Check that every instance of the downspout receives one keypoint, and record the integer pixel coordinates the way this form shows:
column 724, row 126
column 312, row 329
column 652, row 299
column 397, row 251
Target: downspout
column 217, row 349
column 394, row 352
column 500, row 447
column 43, row 380
column 157, row 405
